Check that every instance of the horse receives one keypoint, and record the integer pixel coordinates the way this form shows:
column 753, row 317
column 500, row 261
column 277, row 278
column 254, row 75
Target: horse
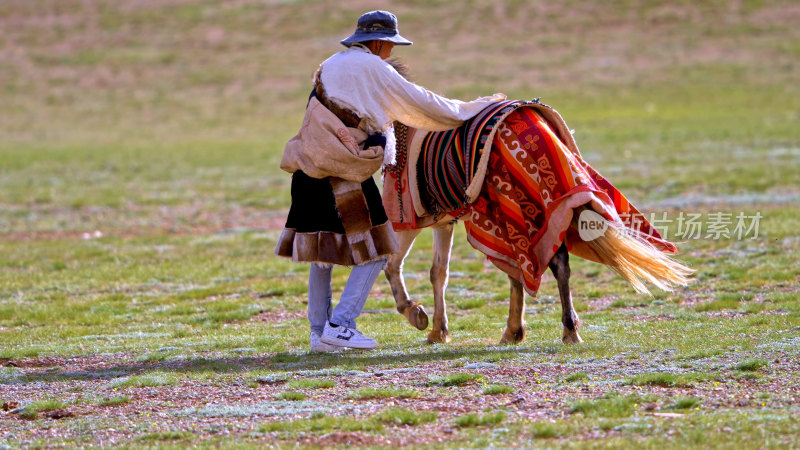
column 636, row 253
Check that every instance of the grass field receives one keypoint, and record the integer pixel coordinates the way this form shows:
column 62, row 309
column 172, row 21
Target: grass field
column 140, row 202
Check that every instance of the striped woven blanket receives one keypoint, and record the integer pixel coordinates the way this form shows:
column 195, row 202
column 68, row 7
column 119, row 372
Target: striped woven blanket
column 449, row 159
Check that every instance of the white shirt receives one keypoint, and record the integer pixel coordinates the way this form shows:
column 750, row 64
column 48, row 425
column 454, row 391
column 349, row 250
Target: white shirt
column 364, row 83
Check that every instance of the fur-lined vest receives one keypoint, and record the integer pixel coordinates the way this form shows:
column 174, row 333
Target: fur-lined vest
column 337, row 215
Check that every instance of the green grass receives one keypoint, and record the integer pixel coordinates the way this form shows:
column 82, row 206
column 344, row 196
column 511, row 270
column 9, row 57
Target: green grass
column 611, row 405
column 320, row 425
column 669, row 379
column 685, row 403
column 292, row 396
column 479, row 420
column 32, row 410
column 456, row 379
column 698, row 430
column 496, row 389
column 165, row 436
column 117, row 400
column 752, row 365
column 470, row 304
column 402, row 416
column 368, row 393
column 577, row 376
column 721, row 302
column 544, row 430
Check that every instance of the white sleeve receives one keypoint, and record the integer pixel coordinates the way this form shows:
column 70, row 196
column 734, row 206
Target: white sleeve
column 420, row 108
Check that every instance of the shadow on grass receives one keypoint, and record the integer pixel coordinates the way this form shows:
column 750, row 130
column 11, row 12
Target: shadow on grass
column 284, row 362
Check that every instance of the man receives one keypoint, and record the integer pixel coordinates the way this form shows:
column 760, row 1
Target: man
column 337, row 215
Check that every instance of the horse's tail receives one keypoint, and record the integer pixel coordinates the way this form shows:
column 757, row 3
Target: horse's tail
column 636, row 259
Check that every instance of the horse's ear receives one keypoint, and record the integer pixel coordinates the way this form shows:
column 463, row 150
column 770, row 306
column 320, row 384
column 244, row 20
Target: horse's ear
column 400, row 67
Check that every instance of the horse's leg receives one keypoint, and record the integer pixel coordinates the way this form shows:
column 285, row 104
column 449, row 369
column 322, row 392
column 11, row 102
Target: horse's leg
column 559, row 265
column 440, row 272
column 413, row 311
column 515, row 329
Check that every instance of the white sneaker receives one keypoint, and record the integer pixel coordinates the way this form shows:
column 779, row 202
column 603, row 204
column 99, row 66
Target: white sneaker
column 346, row 337
column 319, row 346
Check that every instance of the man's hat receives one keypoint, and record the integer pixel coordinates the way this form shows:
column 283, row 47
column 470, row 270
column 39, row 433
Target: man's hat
column 376, row 26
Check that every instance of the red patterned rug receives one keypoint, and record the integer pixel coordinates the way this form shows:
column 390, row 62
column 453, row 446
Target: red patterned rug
column 524, row 210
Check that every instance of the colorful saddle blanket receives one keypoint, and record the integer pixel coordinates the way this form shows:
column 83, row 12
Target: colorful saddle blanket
column 526, row 188
column 448, row 160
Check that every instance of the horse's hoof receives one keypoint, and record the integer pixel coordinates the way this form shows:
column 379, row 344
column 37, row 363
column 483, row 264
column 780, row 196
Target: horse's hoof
column 513, row 337
column 438, row 337
column 416, row 316
column 571, row 337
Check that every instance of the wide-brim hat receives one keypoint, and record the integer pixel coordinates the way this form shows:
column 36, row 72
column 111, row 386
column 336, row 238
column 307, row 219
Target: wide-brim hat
column 376, row 26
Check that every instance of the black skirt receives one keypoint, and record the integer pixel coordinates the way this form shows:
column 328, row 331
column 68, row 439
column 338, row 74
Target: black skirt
column 314, row 206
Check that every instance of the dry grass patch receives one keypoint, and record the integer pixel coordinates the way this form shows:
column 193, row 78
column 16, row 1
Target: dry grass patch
column 310, row 383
